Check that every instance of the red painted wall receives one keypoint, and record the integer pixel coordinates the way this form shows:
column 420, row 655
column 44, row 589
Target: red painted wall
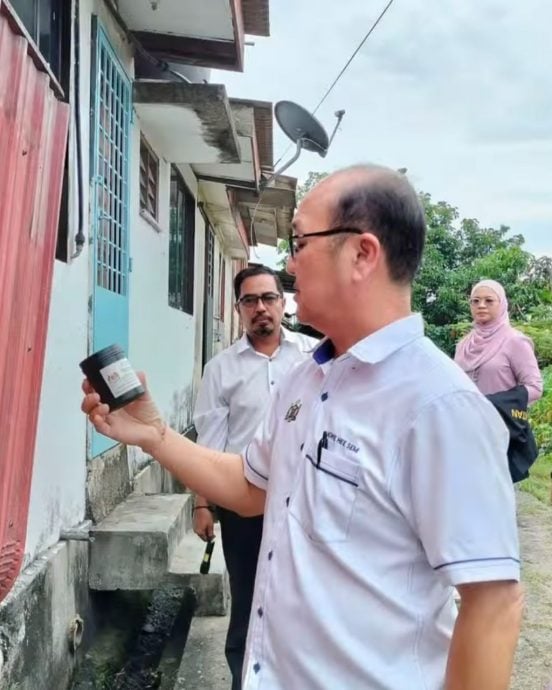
column 33, row 131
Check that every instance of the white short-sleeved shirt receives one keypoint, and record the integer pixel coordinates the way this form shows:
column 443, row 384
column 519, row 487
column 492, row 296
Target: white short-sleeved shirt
column 236, row 388
column 387, row 483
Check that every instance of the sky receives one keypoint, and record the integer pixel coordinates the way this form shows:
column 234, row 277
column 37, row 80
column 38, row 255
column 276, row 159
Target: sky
column 459, row 92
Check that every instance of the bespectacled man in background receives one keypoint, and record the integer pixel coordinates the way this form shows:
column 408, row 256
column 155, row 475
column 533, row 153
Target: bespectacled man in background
column 234, row 395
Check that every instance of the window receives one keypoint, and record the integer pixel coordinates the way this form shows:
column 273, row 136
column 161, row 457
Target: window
column 48, row 23
column 149, row 179
column 210, row 263
column 222, row 295
column 181, row 245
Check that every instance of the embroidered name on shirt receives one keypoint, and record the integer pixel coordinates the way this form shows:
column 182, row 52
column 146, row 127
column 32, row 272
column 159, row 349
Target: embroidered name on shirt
column 291, row 414
column 343, row 442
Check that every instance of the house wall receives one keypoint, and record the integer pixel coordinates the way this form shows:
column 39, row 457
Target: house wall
column 164, row 342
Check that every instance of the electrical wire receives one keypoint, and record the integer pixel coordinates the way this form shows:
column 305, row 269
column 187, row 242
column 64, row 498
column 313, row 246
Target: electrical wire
column 344, row 68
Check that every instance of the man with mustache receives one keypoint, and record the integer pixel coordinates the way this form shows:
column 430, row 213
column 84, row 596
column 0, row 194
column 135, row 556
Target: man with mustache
column 232, row 400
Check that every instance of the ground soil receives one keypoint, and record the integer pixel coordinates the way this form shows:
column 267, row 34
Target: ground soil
column 533, row 665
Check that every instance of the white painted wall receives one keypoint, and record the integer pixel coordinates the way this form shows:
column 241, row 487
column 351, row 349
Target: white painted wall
column 164, row 342
column 59, row 471
column 162, row 339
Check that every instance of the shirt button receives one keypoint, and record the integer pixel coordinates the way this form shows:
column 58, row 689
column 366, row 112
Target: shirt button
column 260, row 611
column 287, row 501
column 324, row 396
column 257, row 667
column 272, row 383
column 270, row 555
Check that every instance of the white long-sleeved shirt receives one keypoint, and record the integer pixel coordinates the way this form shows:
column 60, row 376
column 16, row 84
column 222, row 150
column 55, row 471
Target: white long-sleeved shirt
column 236, row 389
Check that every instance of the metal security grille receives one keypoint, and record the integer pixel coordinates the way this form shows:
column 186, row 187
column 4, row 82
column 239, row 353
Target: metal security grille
column 110, row 153
column 113, row 108
column 149, row 178
column 181, row 246
column 210, row 263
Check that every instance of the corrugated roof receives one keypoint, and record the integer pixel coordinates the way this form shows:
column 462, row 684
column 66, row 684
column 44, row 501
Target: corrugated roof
column 256, row 17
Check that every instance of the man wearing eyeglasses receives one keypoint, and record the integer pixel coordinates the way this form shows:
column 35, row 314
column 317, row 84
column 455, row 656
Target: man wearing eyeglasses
column 234, row 395
column 381, row 470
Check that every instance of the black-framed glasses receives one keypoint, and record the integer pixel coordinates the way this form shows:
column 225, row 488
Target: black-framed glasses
column 269, row 299
column 295, row 245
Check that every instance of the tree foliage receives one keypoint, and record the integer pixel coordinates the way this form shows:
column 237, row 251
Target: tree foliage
column 459, row 252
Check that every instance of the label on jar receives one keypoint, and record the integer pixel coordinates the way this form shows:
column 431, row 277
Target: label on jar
column 120, row 377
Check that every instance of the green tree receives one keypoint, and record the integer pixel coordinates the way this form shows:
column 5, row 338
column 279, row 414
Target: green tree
column 459, row 252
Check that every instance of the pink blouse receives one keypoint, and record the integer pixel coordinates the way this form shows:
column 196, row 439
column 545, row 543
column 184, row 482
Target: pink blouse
column 515, row 364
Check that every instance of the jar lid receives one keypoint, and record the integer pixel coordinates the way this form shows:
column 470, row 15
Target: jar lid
column 103, row 357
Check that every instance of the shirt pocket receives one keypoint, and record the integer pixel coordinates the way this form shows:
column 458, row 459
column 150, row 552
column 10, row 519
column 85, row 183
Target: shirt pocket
column 324, row 500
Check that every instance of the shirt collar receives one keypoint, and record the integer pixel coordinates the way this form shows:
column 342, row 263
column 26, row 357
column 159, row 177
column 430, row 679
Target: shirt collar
column 379, row 345
column 244, row 344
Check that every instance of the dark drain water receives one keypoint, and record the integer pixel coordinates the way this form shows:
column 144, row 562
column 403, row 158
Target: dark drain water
column 169, row 614
column 165, row 623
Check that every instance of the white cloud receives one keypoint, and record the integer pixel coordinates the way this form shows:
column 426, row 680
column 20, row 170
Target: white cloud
column 458, row 92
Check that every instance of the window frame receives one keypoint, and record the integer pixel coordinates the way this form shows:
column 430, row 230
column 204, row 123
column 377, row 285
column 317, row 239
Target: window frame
column 182, row 229
column 149, row 188
column 58, row 58
column 57, row 65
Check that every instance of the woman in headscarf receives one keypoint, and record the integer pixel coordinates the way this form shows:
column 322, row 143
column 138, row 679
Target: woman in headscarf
column 496, row 356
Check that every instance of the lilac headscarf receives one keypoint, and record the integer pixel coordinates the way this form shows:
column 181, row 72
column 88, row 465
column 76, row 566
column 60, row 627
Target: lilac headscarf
column 484, row 341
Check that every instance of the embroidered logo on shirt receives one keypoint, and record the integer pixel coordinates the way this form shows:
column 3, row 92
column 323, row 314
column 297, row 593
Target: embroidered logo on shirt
column 291, row 414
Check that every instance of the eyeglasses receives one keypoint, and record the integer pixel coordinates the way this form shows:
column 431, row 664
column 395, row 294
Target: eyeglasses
column 486, row 301
column 251, row 301
column 294, row 240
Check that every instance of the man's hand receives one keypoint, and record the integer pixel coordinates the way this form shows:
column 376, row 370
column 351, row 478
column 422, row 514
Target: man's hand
column 204, row 523
column 138, row 423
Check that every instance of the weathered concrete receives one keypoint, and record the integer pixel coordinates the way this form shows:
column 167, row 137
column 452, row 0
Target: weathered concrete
column 36, row 618
column 203, row 665
column 211, row 590
column 107, row 483
column 154, row 479
column 134, row 545
column 193, row 123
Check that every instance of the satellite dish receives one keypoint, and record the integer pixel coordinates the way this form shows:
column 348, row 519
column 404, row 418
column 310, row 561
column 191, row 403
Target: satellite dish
column 300, row 126
column 304, row 130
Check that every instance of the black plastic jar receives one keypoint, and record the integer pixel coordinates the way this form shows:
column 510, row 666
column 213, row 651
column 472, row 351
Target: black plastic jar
column 112, row 377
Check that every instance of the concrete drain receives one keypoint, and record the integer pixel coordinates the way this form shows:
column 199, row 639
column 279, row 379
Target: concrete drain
column 169, row 614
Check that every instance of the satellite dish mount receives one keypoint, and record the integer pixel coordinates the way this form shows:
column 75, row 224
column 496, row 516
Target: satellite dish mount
column 304, row 130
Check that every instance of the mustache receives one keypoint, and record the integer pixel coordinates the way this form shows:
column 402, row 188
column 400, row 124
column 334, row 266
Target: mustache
column 262, row 317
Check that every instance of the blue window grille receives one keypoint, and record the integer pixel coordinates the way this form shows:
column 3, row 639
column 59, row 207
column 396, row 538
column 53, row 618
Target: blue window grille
column 113, row 102
column 109, row 156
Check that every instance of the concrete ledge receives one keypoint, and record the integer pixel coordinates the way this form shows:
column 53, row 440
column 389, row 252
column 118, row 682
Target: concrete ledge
column 154, row 479
column 212, row 590
column 107, row 482
column 203, row 665
column 36, row 617
column 134, row 545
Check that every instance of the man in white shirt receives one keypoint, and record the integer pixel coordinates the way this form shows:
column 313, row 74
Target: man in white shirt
column 232, row 400
column 380, row 468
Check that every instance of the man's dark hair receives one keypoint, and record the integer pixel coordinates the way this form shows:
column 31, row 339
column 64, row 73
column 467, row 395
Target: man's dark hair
column 385, row 204
column 252, row 271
